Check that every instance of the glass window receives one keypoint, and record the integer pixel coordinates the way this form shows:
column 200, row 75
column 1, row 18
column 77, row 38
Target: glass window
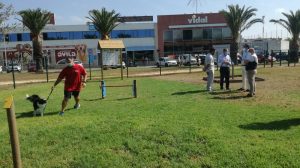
column 177, row 34
column 197, row 34
column 207, row 34
column 90, row 35
column 168, row 35
column 12, row 37
column 51, row 36
column 217, row 34
column 26, row 37
column 226, row 32
column 187, row 34
column 77, row 35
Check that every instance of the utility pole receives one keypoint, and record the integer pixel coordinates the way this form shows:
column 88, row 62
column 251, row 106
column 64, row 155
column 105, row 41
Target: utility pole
column 263, row 30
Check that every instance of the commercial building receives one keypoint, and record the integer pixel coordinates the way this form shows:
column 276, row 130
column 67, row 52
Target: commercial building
column 144, row 39
column 268, row 44
column 192, row 33
column 80, row 41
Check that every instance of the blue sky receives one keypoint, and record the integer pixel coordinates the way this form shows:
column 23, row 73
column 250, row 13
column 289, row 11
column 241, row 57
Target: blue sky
column 68, row 12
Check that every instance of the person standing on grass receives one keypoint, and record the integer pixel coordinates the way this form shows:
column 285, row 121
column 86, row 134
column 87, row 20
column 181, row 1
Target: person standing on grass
column 245, row 84
column 75, row 79
column 224, row 63
column 209, row 69
column 251, row 66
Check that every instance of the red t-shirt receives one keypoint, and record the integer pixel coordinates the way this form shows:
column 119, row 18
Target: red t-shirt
column 72, row 76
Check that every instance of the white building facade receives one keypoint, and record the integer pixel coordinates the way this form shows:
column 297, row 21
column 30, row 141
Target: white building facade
column 80, row 41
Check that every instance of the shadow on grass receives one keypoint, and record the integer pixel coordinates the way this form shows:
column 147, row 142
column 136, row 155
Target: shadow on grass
column 189, row 92
column 30, row 114
column 230, row 97
column 225, row 92
column 273, row 125
column 92, row 99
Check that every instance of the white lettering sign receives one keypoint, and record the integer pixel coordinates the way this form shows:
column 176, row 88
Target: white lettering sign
column 195, row 19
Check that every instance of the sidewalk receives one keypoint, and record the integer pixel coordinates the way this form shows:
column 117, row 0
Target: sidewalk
column 146, row 74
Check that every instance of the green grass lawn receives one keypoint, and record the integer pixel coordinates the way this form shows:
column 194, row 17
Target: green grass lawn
column 171, row 124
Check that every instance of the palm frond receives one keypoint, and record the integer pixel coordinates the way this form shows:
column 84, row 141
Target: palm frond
column 104, row 20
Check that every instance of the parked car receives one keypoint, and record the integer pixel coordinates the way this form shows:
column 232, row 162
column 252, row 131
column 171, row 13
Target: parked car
column 118, row 65
column 13, row 67
column 201, row 58
column 63, row 62
column 31, row 67
column 187, row 59
column 261, row 58
column 166, row 61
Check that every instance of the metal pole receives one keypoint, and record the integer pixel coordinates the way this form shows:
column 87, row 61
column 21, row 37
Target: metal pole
column 5, row 52
column 190, row 68
column 14, row 138
column 13, row 73
column 134, row 89
column 280, row 56
column 232, row 72
column 101, row 57
column 90, row 67
column 127, row 65
column 46, row 61
column 121, row 63
column 160, row 68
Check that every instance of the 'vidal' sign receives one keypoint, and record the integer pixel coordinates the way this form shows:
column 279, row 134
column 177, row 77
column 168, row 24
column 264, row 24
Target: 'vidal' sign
column 198, row 19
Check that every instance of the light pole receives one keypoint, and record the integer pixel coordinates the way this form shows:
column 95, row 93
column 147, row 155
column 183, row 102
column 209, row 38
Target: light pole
column 5, row 52
column 263, row 30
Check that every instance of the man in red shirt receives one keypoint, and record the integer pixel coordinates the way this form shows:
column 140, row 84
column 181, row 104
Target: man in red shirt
column 75, row 78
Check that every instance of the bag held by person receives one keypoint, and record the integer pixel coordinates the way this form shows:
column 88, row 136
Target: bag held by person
column 251, row 66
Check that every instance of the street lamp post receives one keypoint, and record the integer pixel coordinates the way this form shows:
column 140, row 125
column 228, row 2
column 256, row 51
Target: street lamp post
column 263, row 30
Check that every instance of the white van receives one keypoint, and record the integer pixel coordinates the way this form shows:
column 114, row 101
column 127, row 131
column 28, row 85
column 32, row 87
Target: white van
column 187, row 59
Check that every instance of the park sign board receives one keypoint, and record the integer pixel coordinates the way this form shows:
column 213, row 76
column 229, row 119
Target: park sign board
column 111, row 51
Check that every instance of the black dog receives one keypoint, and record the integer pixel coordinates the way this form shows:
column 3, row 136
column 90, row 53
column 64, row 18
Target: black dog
column 39, row 104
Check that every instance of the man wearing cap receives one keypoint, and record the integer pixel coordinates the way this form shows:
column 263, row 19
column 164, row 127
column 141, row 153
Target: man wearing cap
column 75, row 79
column 224, row 63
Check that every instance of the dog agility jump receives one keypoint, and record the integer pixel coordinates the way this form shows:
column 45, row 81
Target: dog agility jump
column 103, row 87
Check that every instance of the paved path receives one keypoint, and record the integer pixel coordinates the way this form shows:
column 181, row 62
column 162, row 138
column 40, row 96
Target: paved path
column 156, row 73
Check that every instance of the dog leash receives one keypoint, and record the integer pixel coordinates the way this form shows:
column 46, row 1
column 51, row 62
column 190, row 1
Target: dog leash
column 48, row 99
column 50, row 94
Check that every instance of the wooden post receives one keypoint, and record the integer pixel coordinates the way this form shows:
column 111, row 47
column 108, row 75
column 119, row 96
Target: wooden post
column 134, row 89
column 101, row 56
column 14, row 139
column 103, row 89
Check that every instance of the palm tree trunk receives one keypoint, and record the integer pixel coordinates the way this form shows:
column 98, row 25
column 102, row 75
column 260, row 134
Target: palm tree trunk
column 294, row 50
column 37, row 53
column 233, row 51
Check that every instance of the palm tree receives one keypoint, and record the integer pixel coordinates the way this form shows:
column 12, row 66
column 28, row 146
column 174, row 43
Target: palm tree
column 104, row 21
column 292, row 25
column 239, row 19
column 35, row 20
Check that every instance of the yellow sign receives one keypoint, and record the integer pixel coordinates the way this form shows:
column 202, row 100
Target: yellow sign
column 8, row 102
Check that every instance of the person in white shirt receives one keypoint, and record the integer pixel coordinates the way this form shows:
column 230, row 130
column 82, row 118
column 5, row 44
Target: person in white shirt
column 224, row 62
column 245, row 84
column 209, row 68
column 251, row 65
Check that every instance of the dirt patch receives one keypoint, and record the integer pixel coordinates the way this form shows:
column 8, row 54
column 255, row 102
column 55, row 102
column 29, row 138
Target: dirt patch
column 281, row 86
